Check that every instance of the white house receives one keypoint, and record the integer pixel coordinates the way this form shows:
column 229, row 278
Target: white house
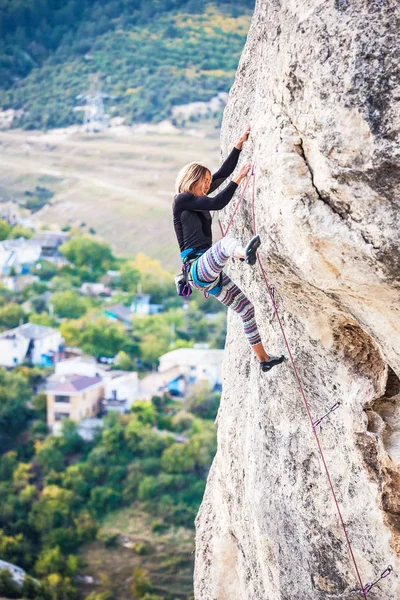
column 192, row 364
column 95, row 289
column 20, row 254
column 141, row 305
column 121, row 387
column 81, row 365
column 18, row 282
column 36, row 344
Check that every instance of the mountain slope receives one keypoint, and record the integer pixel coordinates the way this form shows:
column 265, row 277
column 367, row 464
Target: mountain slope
column 150, row 56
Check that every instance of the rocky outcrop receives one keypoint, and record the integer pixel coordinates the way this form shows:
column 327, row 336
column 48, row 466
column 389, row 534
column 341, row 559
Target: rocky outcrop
column 319, row 83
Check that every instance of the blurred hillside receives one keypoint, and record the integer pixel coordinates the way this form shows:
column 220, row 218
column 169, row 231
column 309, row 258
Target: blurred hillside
column 120, row 188
column 151, row 55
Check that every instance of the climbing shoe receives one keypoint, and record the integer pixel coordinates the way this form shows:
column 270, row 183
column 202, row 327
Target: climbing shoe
column 266, row 365
column 251, row 250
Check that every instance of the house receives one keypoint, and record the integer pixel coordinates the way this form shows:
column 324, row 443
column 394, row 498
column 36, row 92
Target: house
column 88, row 428
column 80, row 365
column 95, row 289
column 193, row 364
column 141, row 305
column 16, row 283
column 75, row 397
column 10, row 212
column 119, row 312
column 18, row 255
column 121, row 388
column 50, row 242
column 111, row 276
column 36, row 344
column 181, row 368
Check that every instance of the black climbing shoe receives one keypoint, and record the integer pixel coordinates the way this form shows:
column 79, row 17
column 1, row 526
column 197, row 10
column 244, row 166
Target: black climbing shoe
column 251, row 250
column 266, row 365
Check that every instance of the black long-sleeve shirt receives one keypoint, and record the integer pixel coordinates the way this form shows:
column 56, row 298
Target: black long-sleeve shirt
column 192, row 219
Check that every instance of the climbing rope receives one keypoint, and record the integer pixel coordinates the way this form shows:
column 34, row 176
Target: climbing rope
column 271, row 291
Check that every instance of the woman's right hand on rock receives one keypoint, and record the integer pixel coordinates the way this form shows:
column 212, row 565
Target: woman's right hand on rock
column 243, row 171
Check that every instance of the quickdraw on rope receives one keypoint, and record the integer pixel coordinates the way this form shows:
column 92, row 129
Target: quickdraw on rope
column 331, row 410
column 383, row 575
column 271, row 291
column 274, row 301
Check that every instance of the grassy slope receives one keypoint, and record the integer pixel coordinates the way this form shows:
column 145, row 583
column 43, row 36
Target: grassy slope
column 121, row 186
column 169, row 562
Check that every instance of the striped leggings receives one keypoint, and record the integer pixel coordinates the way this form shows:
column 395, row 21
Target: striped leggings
column 206, row 269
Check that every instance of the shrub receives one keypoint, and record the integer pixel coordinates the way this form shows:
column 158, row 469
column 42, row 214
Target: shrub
column 8, row 587
column 141, row 584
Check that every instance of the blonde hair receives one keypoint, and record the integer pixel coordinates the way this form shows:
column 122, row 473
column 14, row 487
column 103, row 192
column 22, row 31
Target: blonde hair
column 189, row 175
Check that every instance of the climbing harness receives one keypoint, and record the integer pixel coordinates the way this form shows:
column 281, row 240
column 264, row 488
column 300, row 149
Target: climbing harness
column 271, row 291
column 182, row 282
column 188, row 276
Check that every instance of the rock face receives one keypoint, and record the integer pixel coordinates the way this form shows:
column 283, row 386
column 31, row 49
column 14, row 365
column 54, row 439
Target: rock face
column 319, row 83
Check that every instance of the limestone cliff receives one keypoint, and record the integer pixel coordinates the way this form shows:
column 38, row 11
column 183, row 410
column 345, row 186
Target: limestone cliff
column 319, row 83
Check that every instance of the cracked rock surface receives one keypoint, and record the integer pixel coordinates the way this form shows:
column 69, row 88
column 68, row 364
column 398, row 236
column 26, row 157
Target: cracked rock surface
column 319, row 83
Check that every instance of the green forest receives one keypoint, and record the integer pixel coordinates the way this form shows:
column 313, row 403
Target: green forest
column 150, row 55
column 54, row 490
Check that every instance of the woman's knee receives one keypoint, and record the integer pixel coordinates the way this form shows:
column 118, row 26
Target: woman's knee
column 248, row 312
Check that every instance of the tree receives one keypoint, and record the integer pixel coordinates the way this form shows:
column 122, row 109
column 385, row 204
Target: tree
column 8, row 587
column 46, row 270
column 11, row 315
column 202, row 401
column 83, row 251
column 98, row 338
column 15, row 392
column 178, row 459
column 21, row 476
column 49, row 454
column 72, row 441
column 144, row 411
column 30, row 588
column 182, row 421
column 52, row 510
column 5, row 230
column 124, row 361
column 10, row 546
column 19, row 231
column 68, row 304
column 49, row 561
column 103, row 499
column 39, row 403
column 155, row 280
column 152, row 347
column 43, row 319
column 130, row 277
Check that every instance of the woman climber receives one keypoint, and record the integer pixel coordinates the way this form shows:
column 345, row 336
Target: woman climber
column 192, row 222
